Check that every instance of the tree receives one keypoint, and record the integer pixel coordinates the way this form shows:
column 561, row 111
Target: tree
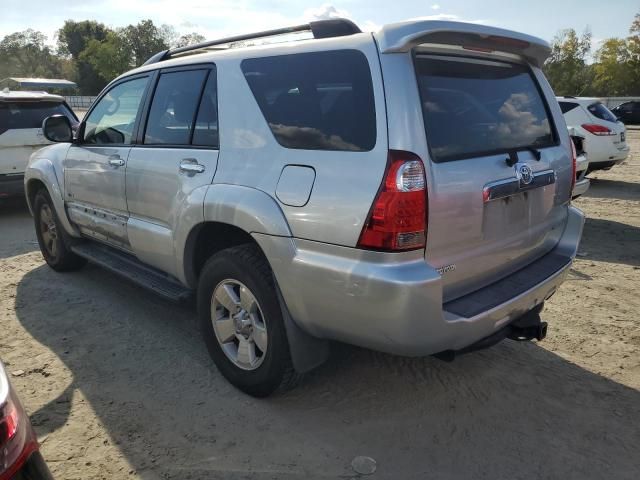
column 26, row 54
column 189, row 39
column 73, row 39
column 74, row 36
column 109, row 58
column 567, row 68
column 612, row 68
column 144, row 40
column 634, row 55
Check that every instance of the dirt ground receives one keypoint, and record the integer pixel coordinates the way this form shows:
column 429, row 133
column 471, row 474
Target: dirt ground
column 119, row 384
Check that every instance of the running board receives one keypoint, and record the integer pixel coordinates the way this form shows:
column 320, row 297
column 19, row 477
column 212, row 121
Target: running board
column 134, row 270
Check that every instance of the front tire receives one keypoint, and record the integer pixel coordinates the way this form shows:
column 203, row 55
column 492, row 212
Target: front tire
column 52, row 239
column 242, row 323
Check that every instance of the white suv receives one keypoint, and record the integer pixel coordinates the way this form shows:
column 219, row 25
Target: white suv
column 605, row 136
column 21, row 116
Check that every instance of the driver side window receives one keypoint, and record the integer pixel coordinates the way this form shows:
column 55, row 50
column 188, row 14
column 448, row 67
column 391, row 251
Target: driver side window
column 113, row 118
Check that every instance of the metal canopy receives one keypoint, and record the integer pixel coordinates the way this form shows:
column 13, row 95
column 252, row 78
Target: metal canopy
column 40, row 83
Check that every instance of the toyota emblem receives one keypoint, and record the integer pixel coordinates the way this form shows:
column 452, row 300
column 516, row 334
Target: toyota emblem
column 524, row 174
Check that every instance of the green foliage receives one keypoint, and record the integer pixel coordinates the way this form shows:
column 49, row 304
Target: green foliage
column 25, row 54
column 92, row 54
column 614, row 71
column 108, row 58
column 189, row 39
column 144, row 40
column 73, row 39
column 567, row 68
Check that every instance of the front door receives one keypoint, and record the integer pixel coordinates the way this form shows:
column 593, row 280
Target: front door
column 177, row 154
column 95, row 166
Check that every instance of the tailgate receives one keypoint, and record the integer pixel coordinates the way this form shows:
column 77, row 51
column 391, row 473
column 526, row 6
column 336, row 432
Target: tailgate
column 499, row 175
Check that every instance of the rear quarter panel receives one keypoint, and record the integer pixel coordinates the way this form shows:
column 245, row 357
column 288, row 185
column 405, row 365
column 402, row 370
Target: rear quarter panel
column 345, row 182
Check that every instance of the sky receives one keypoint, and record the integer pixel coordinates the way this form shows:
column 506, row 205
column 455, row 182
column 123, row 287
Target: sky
column 219, row 18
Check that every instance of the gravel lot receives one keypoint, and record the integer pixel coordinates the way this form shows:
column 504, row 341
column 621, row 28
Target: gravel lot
column 119, row 384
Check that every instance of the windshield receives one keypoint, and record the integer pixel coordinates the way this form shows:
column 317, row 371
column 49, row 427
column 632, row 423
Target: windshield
column 598, row 110
column 477, row 107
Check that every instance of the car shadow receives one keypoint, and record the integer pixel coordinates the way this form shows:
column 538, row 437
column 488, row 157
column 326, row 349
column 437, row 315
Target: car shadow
column 513, row 411
column 598, row 233
column 16, row 225
column 618, row 189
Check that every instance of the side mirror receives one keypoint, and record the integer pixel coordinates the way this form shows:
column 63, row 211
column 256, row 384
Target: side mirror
column 57, row 128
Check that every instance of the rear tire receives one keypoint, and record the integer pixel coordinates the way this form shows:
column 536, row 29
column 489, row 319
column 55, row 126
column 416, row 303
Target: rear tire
column 53, row 240
column 248, row 343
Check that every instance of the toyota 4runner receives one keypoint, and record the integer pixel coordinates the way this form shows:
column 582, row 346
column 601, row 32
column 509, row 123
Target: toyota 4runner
column 407, row 191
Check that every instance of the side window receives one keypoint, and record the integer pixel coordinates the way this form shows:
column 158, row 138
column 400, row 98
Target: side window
column 316, row 101
column 173, row 109
column 206, row 130
column 113, row 118
column 598, row 110
column 567, row 106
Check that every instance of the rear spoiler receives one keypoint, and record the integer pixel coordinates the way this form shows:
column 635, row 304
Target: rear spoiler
column 404, row 36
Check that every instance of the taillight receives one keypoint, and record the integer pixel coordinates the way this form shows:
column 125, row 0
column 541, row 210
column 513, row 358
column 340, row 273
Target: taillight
column 398, row 217
column 599, row 130
column 574, row 163
column 17, row 439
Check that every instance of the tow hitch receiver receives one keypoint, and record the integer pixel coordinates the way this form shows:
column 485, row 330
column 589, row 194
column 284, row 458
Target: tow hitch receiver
column 527, row 327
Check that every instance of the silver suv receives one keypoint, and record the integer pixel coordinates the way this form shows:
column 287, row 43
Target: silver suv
column 407, row 191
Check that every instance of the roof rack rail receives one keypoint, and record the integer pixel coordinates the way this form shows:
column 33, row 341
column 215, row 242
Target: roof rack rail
column 335, row 27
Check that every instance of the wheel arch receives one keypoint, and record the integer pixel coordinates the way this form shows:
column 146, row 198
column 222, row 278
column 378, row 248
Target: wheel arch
column 41, row 173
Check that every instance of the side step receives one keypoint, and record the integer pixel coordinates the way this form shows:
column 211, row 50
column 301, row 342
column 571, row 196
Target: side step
column 134, row 270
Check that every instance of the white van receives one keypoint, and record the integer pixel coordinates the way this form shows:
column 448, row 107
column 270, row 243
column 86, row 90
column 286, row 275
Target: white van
column 21, row 116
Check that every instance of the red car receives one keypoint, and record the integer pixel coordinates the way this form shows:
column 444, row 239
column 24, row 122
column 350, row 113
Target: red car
column 20, row 458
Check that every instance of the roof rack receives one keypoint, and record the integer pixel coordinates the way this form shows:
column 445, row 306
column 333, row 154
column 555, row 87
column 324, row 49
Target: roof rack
column 335, row 27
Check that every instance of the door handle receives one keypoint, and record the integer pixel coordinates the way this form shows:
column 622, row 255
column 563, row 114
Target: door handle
column 116, row 161
column 191, row 165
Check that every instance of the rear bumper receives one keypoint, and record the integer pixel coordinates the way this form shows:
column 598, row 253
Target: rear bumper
column 11, row 185
column 393, row 303
column 608, row 158
column 581, row 187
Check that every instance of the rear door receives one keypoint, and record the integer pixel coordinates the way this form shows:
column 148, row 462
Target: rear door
column 21, row 131
column 177, row 153
column 495, row 201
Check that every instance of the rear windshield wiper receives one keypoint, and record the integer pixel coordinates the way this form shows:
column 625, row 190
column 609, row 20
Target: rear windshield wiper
column 512, row 159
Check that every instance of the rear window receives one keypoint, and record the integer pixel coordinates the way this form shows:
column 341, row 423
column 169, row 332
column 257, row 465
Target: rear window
column 19, row 115
column 476, row 107
column 316, row 101
column 567, row 106
column 598, row 110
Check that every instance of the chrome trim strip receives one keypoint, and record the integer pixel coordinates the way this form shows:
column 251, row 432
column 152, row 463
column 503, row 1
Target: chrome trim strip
column 508, row 187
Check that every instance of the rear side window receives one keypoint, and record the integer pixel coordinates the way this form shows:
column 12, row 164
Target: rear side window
column 316, row 101
column 476, row 107
column 174, row 106
column 598, row 110
column 206, row 129
column 19, row 115
column 567, row 106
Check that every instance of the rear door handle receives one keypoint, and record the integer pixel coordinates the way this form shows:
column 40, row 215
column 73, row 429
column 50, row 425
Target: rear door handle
column 116, row 161
column 191, row 165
